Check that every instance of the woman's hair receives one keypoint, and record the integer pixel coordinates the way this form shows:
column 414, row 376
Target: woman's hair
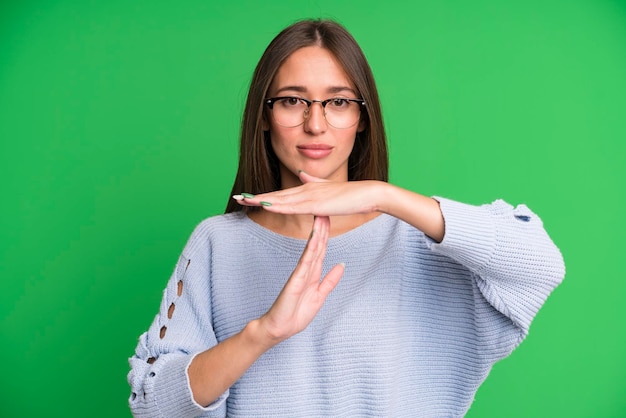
column 258, row 170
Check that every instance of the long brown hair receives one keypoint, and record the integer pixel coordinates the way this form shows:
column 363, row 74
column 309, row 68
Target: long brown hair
column 258, row 170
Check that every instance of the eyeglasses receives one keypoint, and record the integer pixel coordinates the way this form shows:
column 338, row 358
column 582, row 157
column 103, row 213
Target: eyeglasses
column 339, row 112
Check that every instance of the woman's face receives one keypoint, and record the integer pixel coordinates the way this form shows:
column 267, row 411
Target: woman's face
column 315, row 146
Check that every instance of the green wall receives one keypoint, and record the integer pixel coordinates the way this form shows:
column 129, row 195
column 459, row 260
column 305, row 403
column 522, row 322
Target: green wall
column 118, row 134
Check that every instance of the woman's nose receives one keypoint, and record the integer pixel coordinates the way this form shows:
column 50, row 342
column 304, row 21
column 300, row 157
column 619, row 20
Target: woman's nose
column 314, row 119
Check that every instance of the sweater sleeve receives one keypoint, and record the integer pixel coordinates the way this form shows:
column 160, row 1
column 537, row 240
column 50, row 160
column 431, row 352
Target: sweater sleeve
column 182, row 328
column 513, row 261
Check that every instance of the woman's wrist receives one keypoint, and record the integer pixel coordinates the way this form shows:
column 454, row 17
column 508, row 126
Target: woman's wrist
column 257, row 337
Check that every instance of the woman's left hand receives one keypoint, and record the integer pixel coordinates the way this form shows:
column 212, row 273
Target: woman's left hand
column 320, row 197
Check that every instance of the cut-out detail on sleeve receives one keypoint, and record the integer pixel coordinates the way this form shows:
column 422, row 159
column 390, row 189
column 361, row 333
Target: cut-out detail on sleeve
column 172, row 306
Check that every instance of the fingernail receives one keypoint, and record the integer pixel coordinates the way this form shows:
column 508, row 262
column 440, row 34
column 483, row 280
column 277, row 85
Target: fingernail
column 266, row 204
column 238, row 197
column 247, row 195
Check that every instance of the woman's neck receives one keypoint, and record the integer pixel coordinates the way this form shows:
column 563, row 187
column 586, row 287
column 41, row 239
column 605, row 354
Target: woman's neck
column 299, row 226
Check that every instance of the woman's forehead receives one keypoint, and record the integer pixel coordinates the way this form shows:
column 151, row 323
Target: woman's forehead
column 310, row 69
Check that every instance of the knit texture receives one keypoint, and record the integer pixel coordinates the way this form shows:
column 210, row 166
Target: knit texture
column 412, row 329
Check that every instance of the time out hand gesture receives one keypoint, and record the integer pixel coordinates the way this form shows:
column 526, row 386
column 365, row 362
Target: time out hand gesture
column 304, row 294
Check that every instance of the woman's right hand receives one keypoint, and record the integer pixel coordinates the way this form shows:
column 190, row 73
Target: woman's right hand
column 218, row 368
column 304, row 294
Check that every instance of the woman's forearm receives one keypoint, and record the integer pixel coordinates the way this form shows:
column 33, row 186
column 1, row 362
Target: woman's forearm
column 415, row 209
column 215, row 370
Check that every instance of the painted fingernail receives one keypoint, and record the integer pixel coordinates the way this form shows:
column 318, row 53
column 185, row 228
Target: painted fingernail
column 247, row 195
column 266, row 203
column 238, row 197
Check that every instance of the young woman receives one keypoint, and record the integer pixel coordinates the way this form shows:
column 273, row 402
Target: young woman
column 324, row 290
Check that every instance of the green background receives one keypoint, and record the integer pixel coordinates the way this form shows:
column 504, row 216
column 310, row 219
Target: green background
column 118, row 134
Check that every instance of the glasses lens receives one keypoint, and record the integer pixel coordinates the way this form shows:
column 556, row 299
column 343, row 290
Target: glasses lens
column 289, row 111
column 339, row 113
column 342, row 113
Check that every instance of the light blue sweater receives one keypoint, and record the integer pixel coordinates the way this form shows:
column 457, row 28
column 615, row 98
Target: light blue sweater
column 412, row 329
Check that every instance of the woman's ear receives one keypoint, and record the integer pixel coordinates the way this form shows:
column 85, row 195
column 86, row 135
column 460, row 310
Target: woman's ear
column 361, row 126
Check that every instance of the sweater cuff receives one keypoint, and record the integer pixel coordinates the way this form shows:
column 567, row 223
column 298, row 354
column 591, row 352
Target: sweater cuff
column 173, row 392
column 470, row 234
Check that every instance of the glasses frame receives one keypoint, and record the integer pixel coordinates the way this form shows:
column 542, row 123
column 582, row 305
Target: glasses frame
column 269, row 102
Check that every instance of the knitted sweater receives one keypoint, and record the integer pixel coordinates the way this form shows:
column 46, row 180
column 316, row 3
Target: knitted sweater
column 411, row 330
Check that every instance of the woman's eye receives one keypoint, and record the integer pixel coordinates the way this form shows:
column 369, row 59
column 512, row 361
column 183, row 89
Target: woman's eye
column 290, row 101
column 338, row 102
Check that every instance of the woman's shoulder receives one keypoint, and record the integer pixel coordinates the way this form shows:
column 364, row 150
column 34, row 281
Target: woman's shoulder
column 220, row 224
column 215, row 229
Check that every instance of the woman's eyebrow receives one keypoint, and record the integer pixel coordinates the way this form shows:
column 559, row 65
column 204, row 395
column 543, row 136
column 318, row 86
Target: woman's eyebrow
column 299, row 89
column 341, row 89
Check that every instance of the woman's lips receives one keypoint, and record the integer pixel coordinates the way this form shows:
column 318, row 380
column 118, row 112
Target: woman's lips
column 315, row 150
